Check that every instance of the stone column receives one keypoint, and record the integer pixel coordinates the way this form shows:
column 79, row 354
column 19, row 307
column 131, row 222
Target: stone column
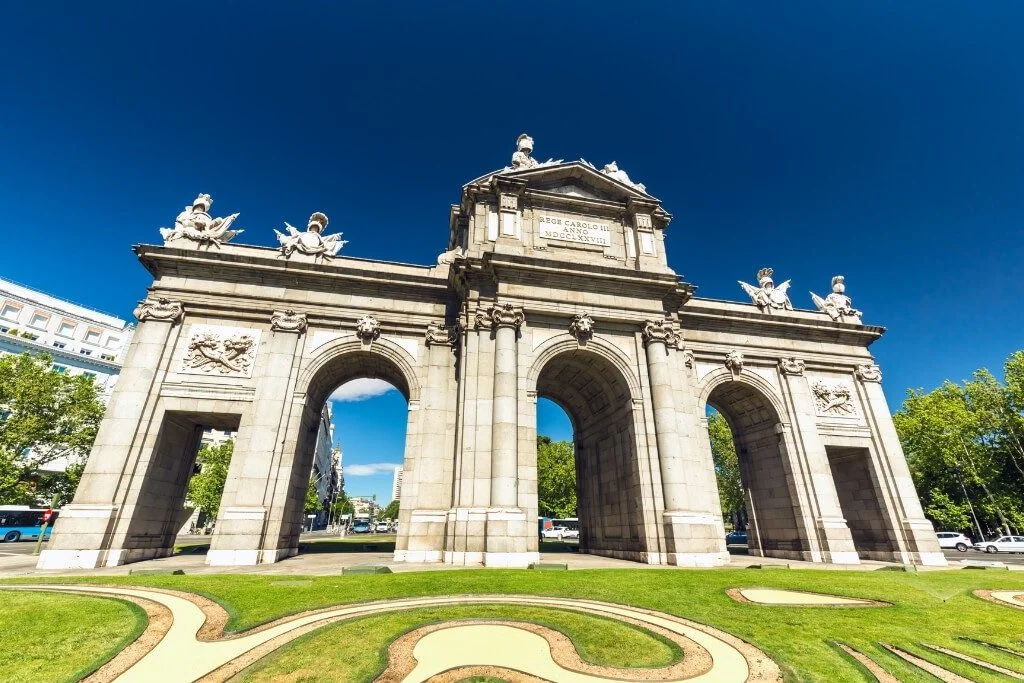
column 246, row 534
column 692, row 518
column 507, row 529
column 83, row 535
column 921, row 544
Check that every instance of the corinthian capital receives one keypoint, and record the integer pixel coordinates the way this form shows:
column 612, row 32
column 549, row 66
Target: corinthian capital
column 660, row 330
column 288, row 321
column 868, row 373
column 792, row 366
column 442, row 335
column 162, row 309
column 505, row 315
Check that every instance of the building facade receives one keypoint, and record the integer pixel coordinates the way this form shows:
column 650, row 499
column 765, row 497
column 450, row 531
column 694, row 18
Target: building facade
column 554, row 282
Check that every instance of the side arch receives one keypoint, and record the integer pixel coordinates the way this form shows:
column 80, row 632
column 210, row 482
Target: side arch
column 383, row 359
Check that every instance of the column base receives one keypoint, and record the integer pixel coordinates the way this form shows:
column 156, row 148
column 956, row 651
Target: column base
column 923, row 546
column 510, row 560
column 424, row 536
column 693, row 539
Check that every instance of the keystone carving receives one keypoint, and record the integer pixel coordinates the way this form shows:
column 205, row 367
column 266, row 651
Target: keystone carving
column 791, row 366
column 833, row 400
column 368, row 329
column 288, row 321
column 868, row 373
column 734, row 361
column 212, row 352
column 439, row 334
column 162, row 309
column 767, row 296
column 582, row 327
column 196, row 224
column 500, row 315
column 660, row 330
column 836, row 305
column 689, row 359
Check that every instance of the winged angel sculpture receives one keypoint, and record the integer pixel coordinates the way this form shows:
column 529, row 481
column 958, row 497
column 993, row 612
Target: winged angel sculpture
column 311, row 242
column 768, row 296
column 196, row 224
column 836, row 305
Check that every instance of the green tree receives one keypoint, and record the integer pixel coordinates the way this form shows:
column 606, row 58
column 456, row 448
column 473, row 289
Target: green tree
column 556, row 478
column 206, row 487
column 727, row 469
column 390, row 512
column 313, row 504
column 342, row 506
column 44, row 416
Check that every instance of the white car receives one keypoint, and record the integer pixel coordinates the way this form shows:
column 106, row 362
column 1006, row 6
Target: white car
column 952, row 539
column 1003, row 544
column 561, row 532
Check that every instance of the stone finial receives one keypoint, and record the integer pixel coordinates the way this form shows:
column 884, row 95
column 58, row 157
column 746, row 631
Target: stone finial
column 660, row 330
column 612, row 170
column 868, row 372
column 734, row 361
column 582, row 327
column 767, row 296
column 791, row 366
column 368, row 329
column 439, row 334
column 195, row 224
column 312, row 242
column 288, row 321
column 507, row 315
column 162, row 309
column 836, row 305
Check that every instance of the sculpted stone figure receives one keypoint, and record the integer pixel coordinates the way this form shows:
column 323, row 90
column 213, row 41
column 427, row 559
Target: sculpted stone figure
column 311, row 242
column 768, row 296
column 195, row 223
column 837, row 304
column 582, row 327
column 612, row 170
column 734, row 361
column 367, row 329
column 521, row 159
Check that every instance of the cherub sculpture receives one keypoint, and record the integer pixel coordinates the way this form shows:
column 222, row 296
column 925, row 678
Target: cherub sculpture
column 311, row 242
column 196, row 224
column 768, row 296
column 837, row 304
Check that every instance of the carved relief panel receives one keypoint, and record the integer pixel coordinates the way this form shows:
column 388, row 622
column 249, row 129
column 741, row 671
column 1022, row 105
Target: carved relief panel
column 834, row 398
column 220, row 351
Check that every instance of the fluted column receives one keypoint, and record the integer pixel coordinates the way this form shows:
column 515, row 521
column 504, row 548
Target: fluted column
column 506, row 321
column 658, row 336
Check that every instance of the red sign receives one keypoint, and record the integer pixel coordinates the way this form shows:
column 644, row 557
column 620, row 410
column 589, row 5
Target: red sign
column 47, row 514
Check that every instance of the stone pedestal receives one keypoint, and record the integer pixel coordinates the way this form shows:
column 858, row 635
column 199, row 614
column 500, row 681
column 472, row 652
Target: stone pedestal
column 508, row 531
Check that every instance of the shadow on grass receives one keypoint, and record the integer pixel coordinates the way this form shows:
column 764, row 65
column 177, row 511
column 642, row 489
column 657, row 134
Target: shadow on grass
column 348, row 545
column 547, row 546
column 199, row 549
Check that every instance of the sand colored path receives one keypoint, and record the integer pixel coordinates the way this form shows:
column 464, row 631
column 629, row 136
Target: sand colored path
column 181, row 656
column 1015, row 598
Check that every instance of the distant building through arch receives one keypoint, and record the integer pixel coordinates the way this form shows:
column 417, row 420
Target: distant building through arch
column 554, row 282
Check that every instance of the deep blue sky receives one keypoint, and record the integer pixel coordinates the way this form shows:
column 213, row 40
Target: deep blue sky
column 884, row 141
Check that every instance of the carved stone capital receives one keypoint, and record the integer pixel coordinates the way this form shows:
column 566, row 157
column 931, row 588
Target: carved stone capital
column 734, row 361
column 868, row 372
column 162, row 309
column 791, row 366
column 582, row 327
column 368, row 329
column 660, row 331
column 439, row 334
column 288, row 321
column 501, row 315
column 689, row 359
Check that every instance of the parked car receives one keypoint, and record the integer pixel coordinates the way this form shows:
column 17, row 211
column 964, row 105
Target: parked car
column 383, row 527
column 1003, row 544
column 561, row 532
column 952, row 539
column 361, row 528
column 736, row 538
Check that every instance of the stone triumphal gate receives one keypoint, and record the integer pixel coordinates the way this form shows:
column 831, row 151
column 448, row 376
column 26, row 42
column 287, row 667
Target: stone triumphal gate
column 554, row 284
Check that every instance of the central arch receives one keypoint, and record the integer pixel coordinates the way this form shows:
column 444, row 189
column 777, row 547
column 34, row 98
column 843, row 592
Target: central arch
column 597, row 397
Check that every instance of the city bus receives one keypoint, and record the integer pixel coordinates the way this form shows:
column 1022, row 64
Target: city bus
column 23, row 523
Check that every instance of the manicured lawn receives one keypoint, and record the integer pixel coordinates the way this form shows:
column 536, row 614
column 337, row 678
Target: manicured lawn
column 51, row 637
column 928, row 607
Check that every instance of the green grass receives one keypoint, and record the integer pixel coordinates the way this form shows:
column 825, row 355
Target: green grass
column 598, row 640
column 931, row 607
column 53, row 637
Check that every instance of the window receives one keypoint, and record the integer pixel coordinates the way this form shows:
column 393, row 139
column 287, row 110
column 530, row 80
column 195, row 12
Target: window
column 59, row 345
column 10, row 312
column 91, row 375
column 59, row 369
column 3, row 330
column 66, row 329
column 39, row 321
column 85, row 352
column 106, row 356
column 112, row 342
column 92, row 337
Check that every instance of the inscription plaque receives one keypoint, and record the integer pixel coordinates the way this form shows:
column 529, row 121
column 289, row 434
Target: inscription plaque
column 575, row 230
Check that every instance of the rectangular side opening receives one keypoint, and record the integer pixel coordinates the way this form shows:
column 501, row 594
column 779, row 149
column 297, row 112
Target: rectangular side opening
column 861, row 502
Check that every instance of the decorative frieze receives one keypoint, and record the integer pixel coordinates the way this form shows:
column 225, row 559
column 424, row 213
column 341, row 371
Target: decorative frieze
column 868, row 373
column 734, row 362
column 162, row 309
column 791, row 366
column 368, row 329
column 439, row 334
column 833, row 399
column 582, row 327
column 219, row 350
column 288, row 321
column 660, row 330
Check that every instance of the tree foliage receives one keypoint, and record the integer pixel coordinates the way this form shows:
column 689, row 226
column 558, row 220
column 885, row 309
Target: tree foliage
column 727, row 469
column 556, row 478
column 965, row 444
column 206, row 487
column 313, row 503
column 44, row 416
column 390, row 512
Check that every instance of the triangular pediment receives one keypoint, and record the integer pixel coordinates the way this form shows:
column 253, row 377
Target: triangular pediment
column 573, row 179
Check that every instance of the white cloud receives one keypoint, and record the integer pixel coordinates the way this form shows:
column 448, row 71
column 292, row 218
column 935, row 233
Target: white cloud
column 369, row 469
column 361, row 389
